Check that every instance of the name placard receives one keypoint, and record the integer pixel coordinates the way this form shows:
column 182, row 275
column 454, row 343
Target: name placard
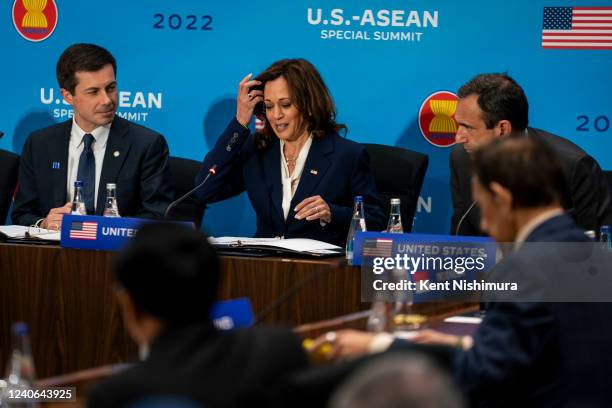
column 422, row 267
column 96, row 232
column 232, row 314
column 388, row 239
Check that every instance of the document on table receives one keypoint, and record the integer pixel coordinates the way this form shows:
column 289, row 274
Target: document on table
column 464, row 319
column 29, row 233
column 290, row 245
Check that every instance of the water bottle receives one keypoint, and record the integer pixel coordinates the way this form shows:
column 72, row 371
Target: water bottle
column 357, row 224
column 394, row 225
column 377, row 320
column 605, row 237
column 110, row 208
column 20, row 373
column 78, row 204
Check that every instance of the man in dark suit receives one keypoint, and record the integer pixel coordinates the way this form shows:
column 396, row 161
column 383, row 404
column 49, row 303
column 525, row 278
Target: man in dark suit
column 9, row 166
column 96, row 147
column 168, row 279
column 537, row 353
column 491, row 106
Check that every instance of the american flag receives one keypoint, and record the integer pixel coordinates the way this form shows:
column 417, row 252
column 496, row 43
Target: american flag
column 83, row 230
column 380, row 247
column 577, row 27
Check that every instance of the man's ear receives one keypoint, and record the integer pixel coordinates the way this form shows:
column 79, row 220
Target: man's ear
column 501, row 194
column 66, row 95
column 504, row 128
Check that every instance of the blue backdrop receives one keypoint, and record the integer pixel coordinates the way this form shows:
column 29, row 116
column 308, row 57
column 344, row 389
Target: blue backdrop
column 179, row 64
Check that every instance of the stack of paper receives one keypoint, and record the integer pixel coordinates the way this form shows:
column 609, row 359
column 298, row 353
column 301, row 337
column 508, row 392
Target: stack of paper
column 291, row 245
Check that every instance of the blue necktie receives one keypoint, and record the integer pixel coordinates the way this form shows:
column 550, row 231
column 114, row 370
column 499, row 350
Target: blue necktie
column 87, row 173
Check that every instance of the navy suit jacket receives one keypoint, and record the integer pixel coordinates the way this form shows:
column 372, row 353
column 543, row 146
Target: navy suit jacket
column 539, row 354
column 337, row 169
column 140, row 170
column 587, row 197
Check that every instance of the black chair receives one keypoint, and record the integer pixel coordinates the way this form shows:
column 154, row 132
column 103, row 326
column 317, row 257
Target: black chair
column 399, row 173
column 183, row 174
column 608, row 174
column 9, row 167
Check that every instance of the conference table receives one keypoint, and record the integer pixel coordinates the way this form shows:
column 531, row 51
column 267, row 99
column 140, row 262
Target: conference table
column 67, row 297
column 84, row 379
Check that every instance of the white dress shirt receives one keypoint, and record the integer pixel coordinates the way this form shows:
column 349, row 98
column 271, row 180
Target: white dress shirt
column 290, row 182
column 75, row 148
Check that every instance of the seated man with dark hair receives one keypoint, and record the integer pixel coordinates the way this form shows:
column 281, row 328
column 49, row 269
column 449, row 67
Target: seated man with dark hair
column 97, row 147
column 494, row 106
column 168, row 280
column 525, row 353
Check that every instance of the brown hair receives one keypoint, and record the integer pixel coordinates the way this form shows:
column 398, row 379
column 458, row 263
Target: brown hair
column 499, row 97
column 81, row 57
column 309, row 94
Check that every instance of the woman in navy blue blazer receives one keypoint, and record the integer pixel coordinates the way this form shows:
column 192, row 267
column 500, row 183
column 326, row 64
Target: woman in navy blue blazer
column 300, row 175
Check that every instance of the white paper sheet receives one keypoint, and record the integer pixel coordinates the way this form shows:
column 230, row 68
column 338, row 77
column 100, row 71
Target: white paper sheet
column 292, row 244
column 21, row 232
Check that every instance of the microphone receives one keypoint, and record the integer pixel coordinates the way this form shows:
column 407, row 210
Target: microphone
column 463, row 217
column 212, row 171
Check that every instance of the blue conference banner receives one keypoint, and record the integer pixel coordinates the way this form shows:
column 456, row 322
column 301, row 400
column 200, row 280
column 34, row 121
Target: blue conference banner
column 392, row 67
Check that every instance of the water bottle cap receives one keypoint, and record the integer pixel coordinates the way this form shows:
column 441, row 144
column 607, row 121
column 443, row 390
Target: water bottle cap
column 359, row 199
column 395, row 201
column 78, row 183
column 605, row 229
column 111, row 185
column 20, row 328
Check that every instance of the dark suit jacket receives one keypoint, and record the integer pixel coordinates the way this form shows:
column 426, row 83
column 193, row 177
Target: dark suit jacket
column 212, row 368
column 9, row 167
column 337, row 169
column 140, row 170
column 539, row 354
column 587, row 197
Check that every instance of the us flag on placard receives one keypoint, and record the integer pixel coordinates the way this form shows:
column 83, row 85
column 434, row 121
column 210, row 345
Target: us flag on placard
column 83, row 230
column 577, row 27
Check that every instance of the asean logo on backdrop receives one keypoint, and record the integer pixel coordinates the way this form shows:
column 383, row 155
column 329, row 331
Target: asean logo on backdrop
column 437, row 118
column 35, row 20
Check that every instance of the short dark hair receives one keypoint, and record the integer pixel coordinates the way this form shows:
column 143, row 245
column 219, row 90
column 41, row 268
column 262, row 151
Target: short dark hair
column 500, row 98
column 309, row 94
column 528, row 168
column 81, row 57
column 170, row 271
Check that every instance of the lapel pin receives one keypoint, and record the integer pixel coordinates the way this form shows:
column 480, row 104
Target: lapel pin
column 312, row 171
column 55, row 165
column 116, row 153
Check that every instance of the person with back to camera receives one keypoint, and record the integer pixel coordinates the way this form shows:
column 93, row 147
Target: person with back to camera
column 168, row 279
column 300, row 174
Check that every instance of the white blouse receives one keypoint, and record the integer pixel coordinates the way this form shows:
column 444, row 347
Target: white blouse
column 290, row 182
